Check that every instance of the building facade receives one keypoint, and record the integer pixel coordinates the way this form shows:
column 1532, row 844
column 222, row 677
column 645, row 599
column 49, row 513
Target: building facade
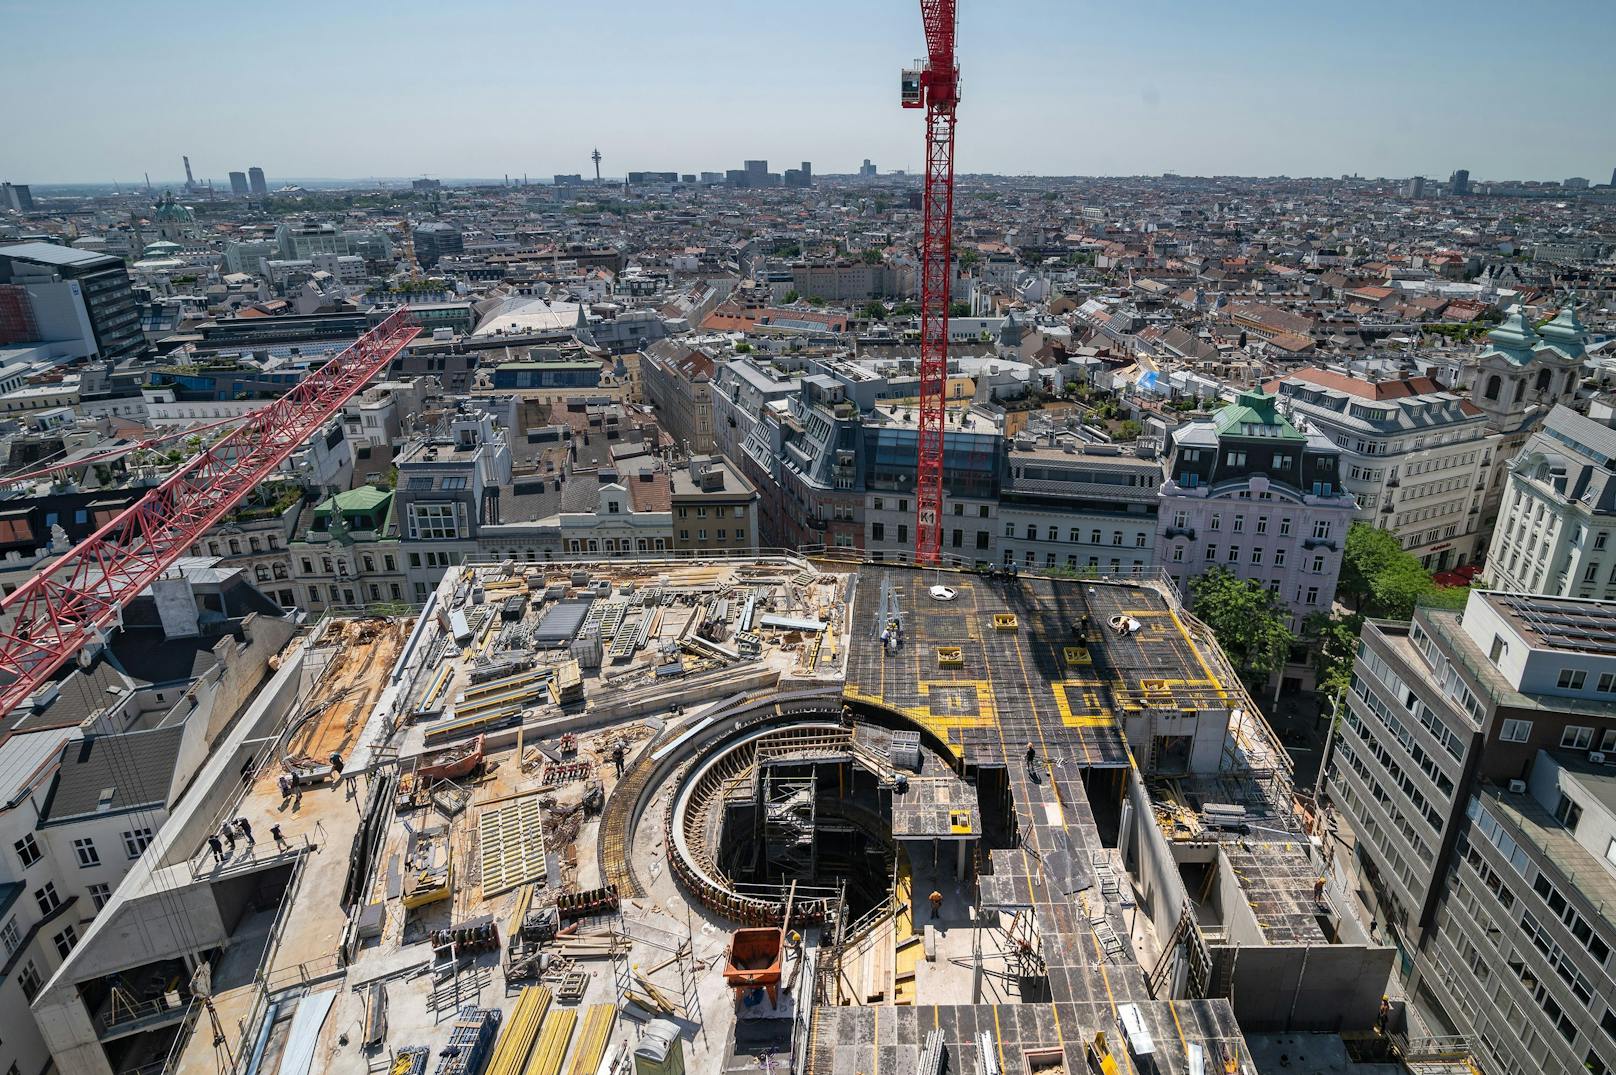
column 78, row 299
column 1248, row 492
column 1417, row 458
column 1472, row 764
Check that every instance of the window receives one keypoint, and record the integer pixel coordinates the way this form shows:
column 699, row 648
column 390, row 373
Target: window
column 65, row 941
column 1576, row 738
column 1279, row 557
column 1568, row 812
column 1181, row 520
column 1571, row 679
column 1094, row 537
column 452, row 483
column 28, row 978
column 136, row 841
column 11, row 936
column 1234, row 554
column 100, row 894
column 1318, row 565
column 84, row 848
column 47, row 898
column 1256, row 555
column 27, row 850
column 1262, row 524
column 1211, row 552
column 1116, row 537
column 1607, row 683
column 1284, row 528
column 1515, row 731
column 1178, row 554
column 1321, row 530
column 1216, row 521
column 1239, row 524
column 1312, row 595
column 434, row 522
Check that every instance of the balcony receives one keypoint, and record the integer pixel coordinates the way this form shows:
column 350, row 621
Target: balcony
column 1322, row 543
column 1181, row 531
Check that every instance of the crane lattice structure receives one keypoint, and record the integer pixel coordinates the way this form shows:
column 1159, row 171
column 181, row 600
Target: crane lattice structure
column 934, row 87
column 76, row 601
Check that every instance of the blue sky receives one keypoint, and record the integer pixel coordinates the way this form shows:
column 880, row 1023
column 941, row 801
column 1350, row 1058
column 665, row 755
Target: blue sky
column 485, row 88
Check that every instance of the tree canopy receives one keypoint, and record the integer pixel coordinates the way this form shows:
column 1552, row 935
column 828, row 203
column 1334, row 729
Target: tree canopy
column 1250, row 622
column 1378, row 578
column 1333, row 643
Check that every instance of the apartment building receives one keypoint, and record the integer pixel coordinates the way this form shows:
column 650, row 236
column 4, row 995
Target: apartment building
column 1083, row 507
column 714, row 507
column 1416, row 457
column 1558, row 514
column 80, row 302
column 740, row 389
column 1472, row 763
column 675, row 378
column 1249, row 492
column 446, row 483
column 345, row 552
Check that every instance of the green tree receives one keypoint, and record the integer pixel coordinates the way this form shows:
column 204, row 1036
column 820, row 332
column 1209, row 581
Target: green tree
column 905, row 309
column 791, row 297
column 967, row 257
column 875, row 311
column 1128, row 430
column 1369, row 552
column 872, row 256
column 1249, row 621
column 1333, row 642
column 743, row 348
column 816, row 300
column 959, row 309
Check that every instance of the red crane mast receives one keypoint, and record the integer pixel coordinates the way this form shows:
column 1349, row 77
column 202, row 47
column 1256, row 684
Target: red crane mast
column 934, row 87
column 72, row 603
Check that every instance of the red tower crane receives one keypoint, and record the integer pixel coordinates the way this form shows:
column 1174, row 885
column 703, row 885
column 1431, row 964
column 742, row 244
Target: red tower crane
column 75, row 601
column 934, row 87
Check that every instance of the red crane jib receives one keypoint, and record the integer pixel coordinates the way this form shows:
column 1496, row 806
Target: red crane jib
column 940, row 83
column 64, row 608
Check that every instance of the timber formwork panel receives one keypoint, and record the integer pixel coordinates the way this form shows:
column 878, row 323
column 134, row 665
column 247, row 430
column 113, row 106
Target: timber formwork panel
column 510, row 838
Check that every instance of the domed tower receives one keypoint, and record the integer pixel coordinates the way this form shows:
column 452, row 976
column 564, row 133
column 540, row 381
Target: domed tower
column 174, row 221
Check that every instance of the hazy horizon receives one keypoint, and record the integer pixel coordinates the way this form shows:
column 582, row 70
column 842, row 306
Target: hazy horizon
column 1061, row 89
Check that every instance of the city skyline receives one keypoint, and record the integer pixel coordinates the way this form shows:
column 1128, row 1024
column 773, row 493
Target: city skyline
column 1365, row 99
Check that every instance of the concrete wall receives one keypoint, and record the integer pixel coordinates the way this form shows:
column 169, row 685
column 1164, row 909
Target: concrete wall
column 1240, row 924
column 1305, row 988
column 1150, row 861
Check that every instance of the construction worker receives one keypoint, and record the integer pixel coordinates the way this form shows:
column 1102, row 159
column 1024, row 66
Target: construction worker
column 936, row 904
column 276, row 835
column 217, row 848
column 617, row 756
column 1318, row 890
column 336, row 764
column 1032, row 756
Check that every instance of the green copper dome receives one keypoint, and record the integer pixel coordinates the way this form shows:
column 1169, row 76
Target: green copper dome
column 1515, row 339
column 1566, row 332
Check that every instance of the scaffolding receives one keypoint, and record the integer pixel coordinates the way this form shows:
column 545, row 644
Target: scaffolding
column 641, row 994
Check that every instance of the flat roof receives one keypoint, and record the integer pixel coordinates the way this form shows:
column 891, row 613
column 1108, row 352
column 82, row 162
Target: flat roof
column 51, row 254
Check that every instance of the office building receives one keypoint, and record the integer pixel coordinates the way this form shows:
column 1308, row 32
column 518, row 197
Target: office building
column 573, row 180
column 1472, row 762
column 757, row 173
column 255, row 180
column 1459, row 182
column 238, row 184
column 16, row 196
column 1249, row 492
column 801, row 176
column 437, row 240
column 80, row 301
column 1084, row 507
column 1414, row 187
column 1576, row 183
column 1416, row 458
column 866, row 170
